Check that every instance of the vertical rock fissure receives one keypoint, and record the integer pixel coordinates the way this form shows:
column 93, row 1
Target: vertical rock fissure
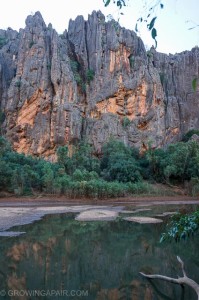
column 86, row 44
column 177, row 99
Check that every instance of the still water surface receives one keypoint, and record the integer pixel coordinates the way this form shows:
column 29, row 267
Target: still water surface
column 61, row 258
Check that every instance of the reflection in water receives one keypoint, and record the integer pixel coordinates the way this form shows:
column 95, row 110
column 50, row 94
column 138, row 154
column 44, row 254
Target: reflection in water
column 103, row 258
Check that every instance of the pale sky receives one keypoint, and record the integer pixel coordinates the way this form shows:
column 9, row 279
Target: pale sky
column 172, row 23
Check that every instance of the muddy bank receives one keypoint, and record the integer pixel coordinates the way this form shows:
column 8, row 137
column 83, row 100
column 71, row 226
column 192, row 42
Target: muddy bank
column 51, row 200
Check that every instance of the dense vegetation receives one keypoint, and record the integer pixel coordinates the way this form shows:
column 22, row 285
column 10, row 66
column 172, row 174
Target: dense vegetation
column 121, row 170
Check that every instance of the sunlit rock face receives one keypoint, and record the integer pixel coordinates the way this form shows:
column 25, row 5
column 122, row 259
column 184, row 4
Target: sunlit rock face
column 36, row 121
column 95, row 81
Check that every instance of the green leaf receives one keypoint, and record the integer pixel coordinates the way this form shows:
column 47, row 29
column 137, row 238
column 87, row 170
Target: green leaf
column 194, row 84
column 154, row 34
column 136, row 27
column 152, row 23
column 119, row 4
column 107, row 3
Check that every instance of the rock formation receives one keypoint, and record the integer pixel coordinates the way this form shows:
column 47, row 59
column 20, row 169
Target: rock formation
column 93, row 82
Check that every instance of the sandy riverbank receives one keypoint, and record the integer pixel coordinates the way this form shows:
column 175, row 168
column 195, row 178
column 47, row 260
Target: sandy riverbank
column 16, row 211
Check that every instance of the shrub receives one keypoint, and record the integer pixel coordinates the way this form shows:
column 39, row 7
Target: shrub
column 90, row 75
column 98, row 188
column 18, row 83
column 189, row 134
column 2, row 117
column 140, row 188
column 31, row 44
column 132, row 60
column 181, row 226
column 126, row 122
column 78, row 78
column 3, row 41
column 194, row 186
column 162, row 78
column 74, row 66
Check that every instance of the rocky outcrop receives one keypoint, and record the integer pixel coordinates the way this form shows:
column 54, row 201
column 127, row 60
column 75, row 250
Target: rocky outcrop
column 177, row 73
column 36, row 121
column 95, row 81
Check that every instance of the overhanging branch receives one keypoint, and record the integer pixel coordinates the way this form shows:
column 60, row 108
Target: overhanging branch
column 181, row 280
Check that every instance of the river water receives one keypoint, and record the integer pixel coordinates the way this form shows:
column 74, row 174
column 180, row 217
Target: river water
column 59, row 257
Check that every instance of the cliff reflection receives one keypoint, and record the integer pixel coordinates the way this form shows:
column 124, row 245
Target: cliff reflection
column 104, row 258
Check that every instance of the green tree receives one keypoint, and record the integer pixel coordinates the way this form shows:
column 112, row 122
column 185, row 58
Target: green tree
column 155, row 157
column 61, row 184
column 82, row 158
column 64, row 159
column 62, row 154
column 4, row 146
column 84, row 175
column 179, row 162
column 120, row 162
column 48, row 178
column 18, row 180
column 5, row 175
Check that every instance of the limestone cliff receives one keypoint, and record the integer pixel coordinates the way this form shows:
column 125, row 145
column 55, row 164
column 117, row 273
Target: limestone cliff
column 94, row 81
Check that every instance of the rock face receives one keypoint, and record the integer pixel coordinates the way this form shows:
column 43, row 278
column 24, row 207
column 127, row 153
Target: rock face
column 95, row 81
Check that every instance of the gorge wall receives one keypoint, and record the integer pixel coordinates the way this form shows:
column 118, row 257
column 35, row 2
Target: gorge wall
column 93, row 82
